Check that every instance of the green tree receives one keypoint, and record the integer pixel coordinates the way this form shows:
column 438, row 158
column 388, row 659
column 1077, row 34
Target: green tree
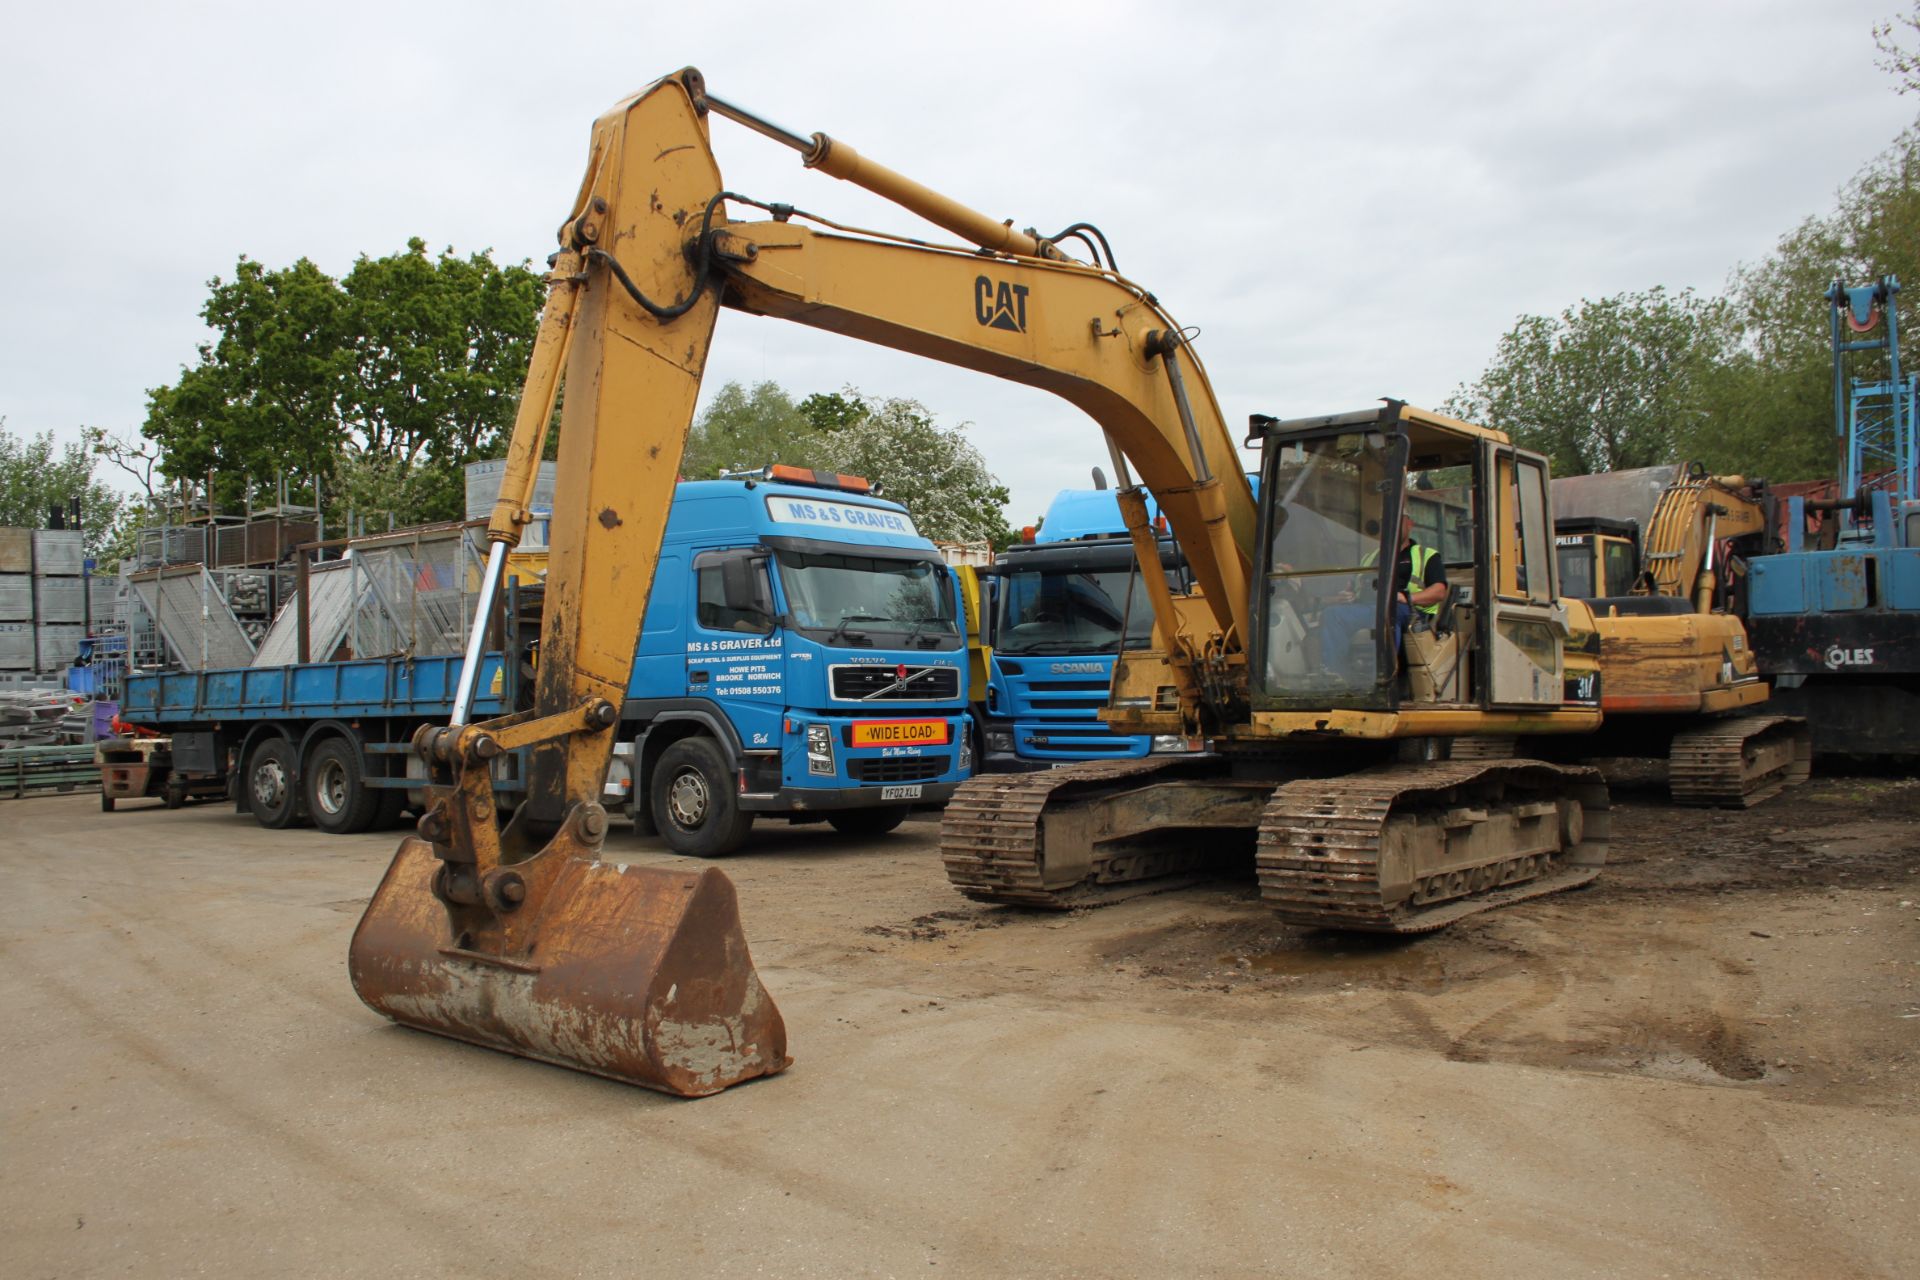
column 36, row 475
column 933, row 471
column 743, row 430
column 263, row 398
column 1896, row 59
column 829, row 411
column 1606, row 385
column 381, row 384
column 1773, row 398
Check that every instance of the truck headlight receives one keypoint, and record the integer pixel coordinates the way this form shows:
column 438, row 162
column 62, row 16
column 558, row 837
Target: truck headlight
column 1172, row 744
column 999, row 740
column 820, row 749
column 966, row 751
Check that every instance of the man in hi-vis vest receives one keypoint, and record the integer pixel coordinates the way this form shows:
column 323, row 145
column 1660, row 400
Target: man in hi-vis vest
column 1419, row 580
column 1419, row 584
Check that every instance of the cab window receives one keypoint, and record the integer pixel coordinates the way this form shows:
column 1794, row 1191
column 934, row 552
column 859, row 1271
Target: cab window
column 733, row 591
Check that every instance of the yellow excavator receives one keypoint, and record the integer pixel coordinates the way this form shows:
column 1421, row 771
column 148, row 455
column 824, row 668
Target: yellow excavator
column 1328, row 758
column 1654, row 556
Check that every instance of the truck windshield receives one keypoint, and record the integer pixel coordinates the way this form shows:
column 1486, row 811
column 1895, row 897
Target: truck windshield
column 1061, row 611
column 851, row 598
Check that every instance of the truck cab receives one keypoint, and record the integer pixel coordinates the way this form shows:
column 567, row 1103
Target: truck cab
column 1063, row 605
column 803, row 656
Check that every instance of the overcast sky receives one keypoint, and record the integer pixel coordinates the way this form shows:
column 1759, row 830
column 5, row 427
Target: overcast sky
column 1347, row 201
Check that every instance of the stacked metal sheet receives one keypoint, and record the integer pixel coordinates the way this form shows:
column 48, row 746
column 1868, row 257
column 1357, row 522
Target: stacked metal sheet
column 16, row 600
column 59, row 597
column 34, row 717
column 26, row 771
column 43, row 598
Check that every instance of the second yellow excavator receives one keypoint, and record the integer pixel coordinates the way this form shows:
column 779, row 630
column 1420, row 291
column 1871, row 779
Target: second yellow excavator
column 1650, row 559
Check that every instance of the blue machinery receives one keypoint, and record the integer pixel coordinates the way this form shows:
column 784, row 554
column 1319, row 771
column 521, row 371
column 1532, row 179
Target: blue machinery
column 1837, row 625
column 1873, row 420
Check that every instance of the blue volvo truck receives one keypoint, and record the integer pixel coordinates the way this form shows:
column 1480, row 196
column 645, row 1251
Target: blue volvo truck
column 802, row 657
column 1062, row 606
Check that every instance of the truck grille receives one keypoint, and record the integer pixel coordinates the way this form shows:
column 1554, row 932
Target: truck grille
column 907, row 769
column 921, row 684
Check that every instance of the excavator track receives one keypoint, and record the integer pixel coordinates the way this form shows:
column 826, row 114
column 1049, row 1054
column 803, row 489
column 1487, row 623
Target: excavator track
column 992, row 838
column 1495, row 747
column 1410, row 848
column 1734, row 764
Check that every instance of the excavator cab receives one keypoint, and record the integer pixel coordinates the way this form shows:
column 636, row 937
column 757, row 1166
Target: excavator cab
column 1598, row 557
column 1329, row 629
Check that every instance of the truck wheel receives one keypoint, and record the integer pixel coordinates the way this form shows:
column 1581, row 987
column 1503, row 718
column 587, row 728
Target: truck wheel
column 273, row 798
column 868, row 822
column 339, row 799
column 693, row 800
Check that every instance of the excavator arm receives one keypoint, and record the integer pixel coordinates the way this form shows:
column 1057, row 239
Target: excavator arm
column 519, row 937
column 1014, row 305
column 1692, row 517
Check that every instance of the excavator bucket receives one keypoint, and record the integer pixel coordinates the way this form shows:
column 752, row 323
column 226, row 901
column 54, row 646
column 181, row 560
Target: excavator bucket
column 636, row 974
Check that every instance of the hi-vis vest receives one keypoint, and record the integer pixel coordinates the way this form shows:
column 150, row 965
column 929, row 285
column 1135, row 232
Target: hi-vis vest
column 1421, row 557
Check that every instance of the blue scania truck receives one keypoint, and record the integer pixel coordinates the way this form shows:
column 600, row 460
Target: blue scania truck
column 1062, row 607
column 802, row 657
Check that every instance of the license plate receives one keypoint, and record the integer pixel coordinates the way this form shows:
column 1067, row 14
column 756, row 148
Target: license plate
column 900, row 793
column 900, row 733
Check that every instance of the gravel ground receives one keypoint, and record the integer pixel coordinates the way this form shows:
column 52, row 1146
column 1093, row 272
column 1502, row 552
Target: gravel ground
column 1703, row 1066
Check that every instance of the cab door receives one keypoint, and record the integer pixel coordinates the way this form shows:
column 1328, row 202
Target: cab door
column 1523, row 629
column 735, row 654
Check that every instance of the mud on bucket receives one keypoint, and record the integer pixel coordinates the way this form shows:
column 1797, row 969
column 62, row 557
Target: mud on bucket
column 638, row 974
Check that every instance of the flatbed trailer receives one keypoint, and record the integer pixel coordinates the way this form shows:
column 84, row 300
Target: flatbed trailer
column 325, row 741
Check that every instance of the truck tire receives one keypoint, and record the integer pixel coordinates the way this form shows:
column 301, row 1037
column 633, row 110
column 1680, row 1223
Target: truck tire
column 338, row 796
column 693, row 803
column 272, row 794
column 868, row 822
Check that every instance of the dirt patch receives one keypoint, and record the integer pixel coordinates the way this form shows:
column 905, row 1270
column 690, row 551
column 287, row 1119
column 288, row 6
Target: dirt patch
column 1705, row 1048
column 940, row 924
column 1833, row 832
column 1695, row 958
column 1259, row 953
